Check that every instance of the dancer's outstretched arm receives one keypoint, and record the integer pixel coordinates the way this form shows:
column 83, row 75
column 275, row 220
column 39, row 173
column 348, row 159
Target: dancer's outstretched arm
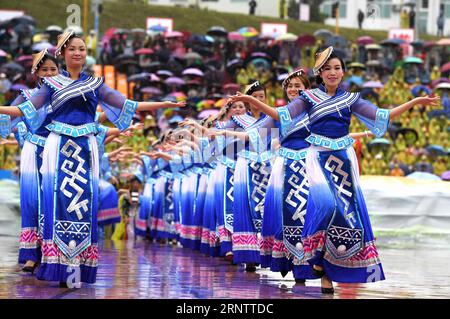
column 422, row 100
column 268, row 110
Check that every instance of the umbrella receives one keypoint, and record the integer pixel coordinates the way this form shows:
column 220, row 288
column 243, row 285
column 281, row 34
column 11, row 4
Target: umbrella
column 3, row 53
column 306, row 39
column 423, row 176
column 356, row 65
column 413, row 59
column 445, row 68
column 444, row 42
column 260, row 55
column 25, row 19
column 174, row 34
column 281, row 77
column 17, row 87
column 373, row 46
column 323, row 33
column 287, row 37
column 446, row 176
column 378, row 144
column 174, row 81
column 220, row 103
column 144, row 51
column 192, row 56
column 231, row 86
column 151, row 90
column 233, row 64
column 207, row 113
column 410, row 135
column 260, row 62
column 364, row 40
column 336, row 41
column 373, row 85
column 387, row 42
column 436, row 150
column 373, row 63
column 248, row 32
column 139, row 77
column 217, row 31
column 24, row 58
column 418, row 89
column 440, row 80
column 356, row 80
column 443, row 86
column 179, row 96
column 235, row 36
column 164, row 73
column 137, row 30
column 54, row 29
column 154, row 78
column 205, row 104
column 42, row 46
column 193, row 71
column 417, row 44
column 13, row 67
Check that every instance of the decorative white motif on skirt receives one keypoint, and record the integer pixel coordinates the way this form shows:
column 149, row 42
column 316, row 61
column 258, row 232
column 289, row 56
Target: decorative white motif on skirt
column 341, row 191
column 78, row 207
column 297, row 189
column 260, row 178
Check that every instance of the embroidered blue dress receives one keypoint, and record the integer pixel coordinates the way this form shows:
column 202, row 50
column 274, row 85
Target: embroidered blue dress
column 337, row 233
column 31, row 141
column 286, row 199
column 146, row 198
column 70, row 169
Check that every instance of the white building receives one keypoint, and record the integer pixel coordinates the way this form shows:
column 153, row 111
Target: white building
column 268, row 8
column 385, row 14
column 379, row 14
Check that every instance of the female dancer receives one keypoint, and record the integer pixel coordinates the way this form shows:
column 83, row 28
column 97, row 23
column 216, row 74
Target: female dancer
column 337, row 237
column 44, row 65
column 70, row 161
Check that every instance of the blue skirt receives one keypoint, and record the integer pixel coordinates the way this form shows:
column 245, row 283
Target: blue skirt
column 337, row 234
column 142, row 221
column 108, row 210
column 30, row 203
column 70, row 173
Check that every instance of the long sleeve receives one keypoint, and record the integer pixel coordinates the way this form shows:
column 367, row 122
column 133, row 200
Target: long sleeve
column 36, row 109
column 295, row 108
column 261, row 133
column 117, row 108
column 374, row 118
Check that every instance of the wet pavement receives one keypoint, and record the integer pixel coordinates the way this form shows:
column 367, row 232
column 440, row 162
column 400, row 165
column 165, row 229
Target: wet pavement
column 141, row 269
column 415, row 267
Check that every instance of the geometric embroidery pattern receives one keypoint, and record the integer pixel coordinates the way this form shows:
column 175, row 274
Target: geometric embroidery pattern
column 78, row 207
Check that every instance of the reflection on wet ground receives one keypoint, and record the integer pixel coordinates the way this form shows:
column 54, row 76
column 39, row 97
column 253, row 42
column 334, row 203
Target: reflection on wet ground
column 142, row 269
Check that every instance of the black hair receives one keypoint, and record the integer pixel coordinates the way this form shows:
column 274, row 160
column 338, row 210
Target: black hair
column 255, row 88
column 44, row 59
column 333, row 55
column 73, row 36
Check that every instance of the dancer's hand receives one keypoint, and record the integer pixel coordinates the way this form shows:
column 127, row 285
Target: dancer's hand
column 428, row 100
column 240, row 97
column 170, row 104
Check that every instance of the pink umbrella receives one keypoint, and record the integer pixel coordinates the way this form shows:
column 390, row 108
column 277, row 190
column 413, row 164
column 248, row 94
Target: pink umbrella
column 174, row 34
column 2, row 53
column 179, row 96
column 364, row 40
column 24, row 58
column 154, row 78
column 144, row 51
column 373, row 84
column 193, row 71
column 165, row 73
column 175, row 81
column 235, row 36
column 207, row 113
column 151, row 90
column 445, row 67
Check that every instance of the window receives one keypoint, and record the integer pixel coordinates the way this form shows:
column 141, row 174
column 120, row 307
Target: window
column 447, row 8
column 327, row 4
column 425, row 4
